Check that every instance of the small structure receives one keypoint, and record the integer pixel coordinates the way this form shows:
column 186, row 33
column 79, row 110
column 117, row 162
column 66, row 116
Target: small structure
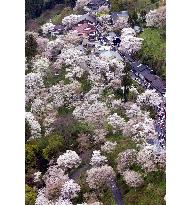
column 86, row 29
column 87, row 18
column 95, row 4
column 58, row 29
column 116, row 15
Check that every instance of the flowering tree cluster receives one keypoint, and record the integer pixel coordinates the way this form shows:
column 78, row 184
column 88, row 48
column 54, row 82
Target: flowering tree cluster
column 156, row 18
column 41, row 65
column 151, row 159
column 70, row 21
column 132, row 178
column 94, row 113
column 126, row 159
column 121, row 22
column 34, row 125
column 48, row 28
column 149, row 97
column 70, row 159
column 129, row 42
column 116, row 121
column 104, row 20
column 70, row 189
column 98, row 159
column 81, row 3
column 99, row 176
column 33, row 85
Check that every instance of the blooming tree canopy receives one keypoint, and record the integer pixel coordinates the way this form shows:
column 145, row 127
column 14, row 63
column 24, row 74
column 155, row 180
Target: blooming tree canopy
column 98, row 159
column 129, row 42
column 156, row 18
column 132, row 178
column 70, row 159
column 99, row 176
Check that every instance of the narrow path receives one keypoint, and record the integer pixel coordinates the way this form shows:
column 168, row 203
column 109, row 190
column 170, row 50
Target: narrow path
column 116, row 192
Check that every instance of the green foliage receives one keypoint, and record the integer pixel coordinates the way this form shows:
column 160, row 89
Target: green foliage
column 33, row 8
column 30, row 195
column 81, row 127
column 39, row 151
column 27, row 131
column 153, row 51
column 30, row 47
column 152, row 193
column 30, row 155
column 52, row 79
column 123, row 143
column 62, row 111
column 55, row 145
column 151, row 110
column 118, row 5
column 85, row 83
column 107, row 197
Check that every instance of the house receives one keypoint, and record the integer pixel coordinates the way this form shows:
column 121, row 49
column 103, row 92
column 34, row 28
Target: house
column 116, row 15
column 86, row 30
column 87, row 18
column 58, row 29
column 159, row 85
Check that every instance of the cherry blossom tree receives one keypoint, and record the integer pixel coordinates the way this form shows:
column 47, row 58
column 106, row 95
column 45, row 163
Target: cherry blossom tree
column 70, row 189
column 37, row 176
column 149, row 97
column 62, row 94
column 98, row 159
column 156, row 18
column 33, row 85
column 42, row 44
column 81, row 3
column 99, row 135
column 54, row 179
column 151, row 159
column 70, row 160
column 41, row 65
column 121, row 22
column 48, row 28
column 126, row 159
column 116, row 121
column 99, row 176
column 132, row 178
column 70, row 21
column 129, row 42
column 94, row 113
column 34, row 125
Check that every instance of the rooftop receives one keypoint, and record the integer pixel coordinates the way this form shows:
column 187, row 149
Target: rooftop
column 85, row 28
column 87, row 17
column 116, row 15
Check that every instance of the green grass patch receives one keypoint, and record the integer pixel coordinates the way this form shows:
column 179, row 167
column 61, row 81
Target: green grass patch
column 52, row 79
column 62, row 111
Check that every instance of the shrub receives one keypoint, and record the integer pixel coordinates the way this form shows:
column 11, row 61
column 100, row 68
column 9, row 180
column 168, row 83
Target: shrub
column 30, row 195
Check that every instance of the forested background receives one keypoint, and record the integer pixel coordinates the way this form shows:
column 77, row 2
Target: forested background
column 33, row 8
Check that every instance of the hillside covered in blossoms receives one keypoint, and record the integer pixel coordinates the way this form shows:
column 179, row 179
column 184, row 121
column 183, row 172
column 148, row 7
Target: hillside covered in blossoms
column 95, row 120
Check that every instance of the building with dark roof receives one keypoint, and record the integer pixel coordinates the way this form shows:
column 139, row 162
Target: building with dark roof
column 116, row 15
column 87, row 18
